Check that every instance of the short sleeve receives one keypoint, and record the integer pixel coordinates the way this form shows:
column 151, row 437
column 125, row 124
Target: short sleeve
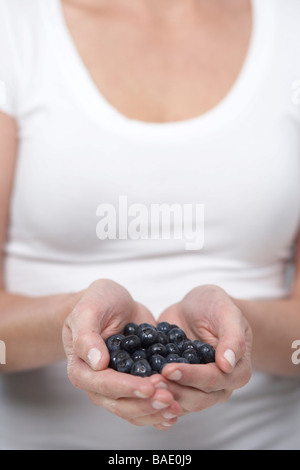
column 8, row 89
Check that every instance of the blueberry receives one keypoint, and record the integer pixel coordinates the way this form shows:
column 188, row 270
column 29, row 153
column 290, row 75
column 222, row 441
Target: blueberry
column 118, row 356
column 191, row 356
column 148, row 336
column 125, row 365
column 113, row 342
column 164, row 327
column 172, row 358
column 130, row 343
column 144, row 350
column 197, row 343
column 206, row 354
column 176, row 335
column 143, row 326
column 157, row 348
column 141, row 368
column 186, row 344
column 156, row 361
column 162, row 337
column 139, row 354
column 183, row 360
column 172, row 348
column 130, row 329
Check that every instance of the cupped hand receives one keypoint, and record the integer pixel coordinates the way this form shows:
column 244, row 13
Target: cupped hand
column 209, row 314
column 104, row 309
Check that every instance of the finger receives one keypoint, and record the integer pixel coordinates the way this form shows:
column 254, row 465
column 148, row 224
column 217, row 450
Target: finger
column 108, row 382
column 83, row 327
column 158, row 381
column 193, row 400
column 165, row 418
column 204, row 377
column 207, row 377
column 232, row 334
column 163, row 426
column 133, row 408
column 105, row 303
column 156, row 419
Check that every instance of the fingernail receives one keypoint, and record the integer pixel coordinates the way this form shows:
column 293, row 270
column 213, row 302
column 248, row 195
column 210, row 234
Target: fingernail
column 230, row 357
column 168, row 415
column 176, row 375
column 159, row 405
column 161, row 385
column 167, row 425
column 94, row 356
column 140, row 394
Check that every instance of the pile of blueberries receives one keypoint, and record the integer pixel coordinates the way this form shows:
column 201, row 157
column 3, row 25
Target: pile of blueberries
column 144, row 350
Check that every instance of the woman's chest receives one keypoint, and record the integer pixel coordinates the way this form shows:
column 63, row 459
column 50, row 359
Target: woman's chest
column 157, row 74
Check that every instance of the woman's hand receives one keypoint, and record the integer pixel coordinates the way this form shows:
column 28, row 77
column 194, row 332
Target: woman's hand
column 104, row 310
column 208, row 313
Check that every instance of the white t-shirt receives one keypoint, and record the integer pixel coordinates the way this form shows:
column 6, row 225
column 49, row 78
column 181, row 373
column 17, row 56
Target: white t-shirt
column 241, row 161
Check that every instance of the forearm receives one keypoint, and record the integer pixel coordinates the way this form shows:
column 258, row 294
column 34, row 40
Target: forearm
column 275, row 325
column 31, row 329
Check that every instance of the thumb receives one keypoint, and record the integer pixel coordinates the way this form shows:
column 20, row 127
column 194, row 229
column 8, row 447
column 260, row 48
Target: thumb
column 232, row 340
column 82, row 337
column 99, row 307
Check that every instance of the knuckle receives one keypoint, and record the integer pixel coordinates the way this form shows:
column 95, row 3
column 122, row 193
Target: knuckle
column 111, row 405
column 242, row 345
column 135, row 422
column 245, row 377
column 225, row 395
column 79, row 340
column 187, row 408
column 73, row 376
column 94, row 399
column 211, row 383
column 88, row 303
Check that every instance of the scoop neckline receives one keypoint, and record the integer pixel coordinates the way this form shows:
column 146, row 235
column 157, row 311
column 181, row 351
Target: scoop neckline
column 103, row 112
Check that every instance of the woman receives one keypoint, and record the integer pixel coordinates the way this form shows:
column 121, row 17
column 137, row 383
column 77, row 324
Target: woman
column 162, row 102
